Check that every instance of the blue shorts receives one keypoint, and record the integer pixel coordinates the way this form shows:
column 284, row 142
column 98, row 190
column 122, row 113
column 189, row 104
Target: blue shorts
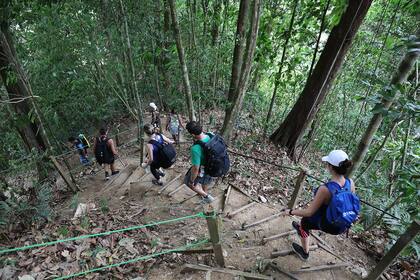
column 203, row 180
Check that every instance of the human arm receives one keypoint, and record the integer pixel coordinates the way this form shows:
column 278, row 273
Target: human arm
column 195, row 169
column 196, row 162
column 320, row 198
column 112, row 147
column 167, row 140
column 149, row 154
column 94, row 146
column 168, row 122
column 180, row 122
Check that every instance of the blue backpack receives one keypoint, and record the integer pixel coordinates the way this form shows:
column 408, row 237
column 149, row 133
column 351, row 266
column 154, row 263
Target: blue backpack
column 344, row 206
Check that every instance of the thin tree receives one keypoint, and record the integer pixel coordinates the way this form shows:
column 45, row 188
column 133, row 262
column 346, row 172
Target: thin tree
column 303, row 112
column 181, row 57
column 279, row 72
column 133, row 80
column 391, row 94
column 241, row 65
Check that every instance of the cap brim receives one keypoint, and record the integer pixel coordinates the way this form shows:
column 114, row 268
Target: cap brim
column 325, row 159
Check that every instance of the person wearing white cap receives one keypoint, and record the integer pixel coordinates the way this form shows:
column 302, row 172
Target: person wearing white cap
column 318, row 215
column 155, row 115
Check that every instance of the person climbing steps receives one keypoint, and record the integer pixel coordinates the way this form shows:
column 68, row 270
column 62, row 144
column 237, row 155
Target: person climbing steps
column 334, row 208
column 160, row 153
column 209, row 159
column 105, row 153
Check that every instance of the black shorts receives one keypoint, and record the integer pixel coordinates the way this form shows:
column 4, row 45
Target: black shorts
column 101, row 161
column 318, row 222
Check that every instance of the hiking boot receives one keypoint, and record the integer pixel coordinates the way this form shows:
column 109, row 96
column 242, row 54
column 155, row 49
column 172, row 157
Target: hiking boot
column 114, row 172
column 157, row 182
column 208, row 199
column 300, row 252
column 106, row 175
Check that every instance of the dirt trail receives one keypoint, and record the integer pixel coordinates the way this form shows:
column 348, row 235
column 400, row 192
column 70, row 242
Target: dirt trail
column 132, row 192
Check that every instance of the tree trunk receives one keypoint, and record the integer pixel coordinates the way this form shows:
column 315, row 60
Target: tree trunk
column 181, row 57
column 410, row 121
column 400, row 76
column 372, row 158
column 17, row 85
column 303, row 112
column 278, row 76
column 133, row 81
column 217, row 6
column 241, row 65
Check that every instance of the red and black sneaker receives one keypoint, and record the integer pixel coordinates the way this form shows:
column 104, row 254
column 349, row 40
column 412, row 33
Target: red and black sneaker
column 300, row 252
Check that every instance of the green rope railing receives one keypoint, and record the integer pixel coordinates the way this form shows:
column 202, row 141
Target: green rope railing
column 198, row 215
column 187, row 246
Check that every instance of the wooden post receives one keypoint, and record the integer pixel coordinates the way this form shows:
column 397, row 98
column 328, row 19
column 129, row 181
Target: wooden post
column 64, row 175
column 395, row 250
column 213, row 226
column 298, row 187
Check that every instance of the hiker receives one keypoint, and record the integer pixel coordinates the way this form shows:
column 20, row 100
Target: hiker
column 81, row 147
column 160, row 153
column 334, row 208
column 155, row 115
column 105, row 153
column 174, row 125
column 209, row 159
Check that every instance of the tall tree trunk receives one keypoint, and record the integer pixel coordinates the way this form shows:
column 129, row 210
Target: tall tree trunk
column 303, row 112
column 181, row 57
column 279, row 72
column 133, row 81
column 17, row 85
column 241, row 64
column 217, row 6
column 410, row 122
column 400, row 76
column 372, row 158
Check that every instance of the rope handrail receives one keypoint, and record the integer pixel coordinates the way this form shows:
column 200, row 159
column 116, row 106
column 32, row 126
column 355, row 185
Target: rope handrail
column 36, row 245
column 142, row 258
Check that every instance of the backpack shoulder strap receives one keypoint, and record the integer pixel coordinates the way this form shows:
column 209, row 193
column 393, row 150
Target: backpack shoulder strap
column 201, row 143
column 156, row 143
column 347, row 185
column 333, row 187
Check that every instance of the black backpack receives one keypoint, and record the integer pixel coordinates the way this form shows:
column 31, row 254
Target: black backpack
column 217, row 159
column 166, row 153
column 102, row 152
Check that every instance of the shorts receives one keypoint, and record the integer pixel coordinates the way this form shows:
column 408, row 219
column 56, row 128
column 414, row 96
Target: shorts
column 202, row 180
column 101, row 161
column 174, row 130
column 318, row 222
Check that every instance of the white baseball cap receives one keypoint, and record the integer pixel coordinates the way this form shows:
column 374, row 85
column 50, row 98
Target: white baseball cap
column 153, row 105
column 335, row 157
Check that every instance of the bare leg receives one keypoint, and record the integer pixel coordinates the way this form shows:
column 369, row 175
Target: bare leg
column 198, row 189
column 112, row 166
column 206, row 188
column 305, row 244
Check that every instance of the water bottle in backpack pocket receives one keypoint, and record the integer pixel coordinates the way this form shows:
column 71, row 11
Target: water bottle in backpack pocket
column 344, row 206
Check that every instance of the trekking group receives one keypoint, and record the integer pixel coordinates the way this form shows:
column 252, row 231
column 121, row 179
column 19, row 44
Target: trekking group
column 333, row 210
